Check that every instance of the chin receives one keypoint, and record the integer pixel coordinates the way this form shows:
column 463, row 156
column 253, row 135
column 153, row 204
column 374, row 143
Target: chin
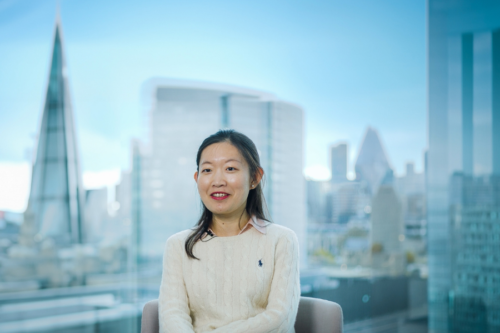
column 219, row 211
column 216, row 209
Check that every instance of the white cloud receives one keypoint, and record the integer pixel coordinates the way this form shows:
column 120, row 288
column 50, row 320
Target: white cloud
column 100, row 179
column 317, row 172
column 15, row 180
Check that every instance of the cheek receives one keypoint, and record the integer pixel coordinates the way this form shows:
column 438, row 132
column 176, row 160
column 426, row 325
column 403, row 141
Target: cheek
column 239, row 184
column 203, row 185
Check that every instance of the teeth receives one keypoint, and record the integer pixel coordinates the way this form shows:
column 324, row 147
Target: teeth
column 219, row 194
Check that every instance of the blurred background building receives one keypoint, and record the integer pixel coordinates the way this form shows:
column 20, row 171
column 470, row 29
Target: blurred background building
column 463, row 200
column 387, row 231
column 55, row 206
column 182, row 114
column 372, row 165
column 338, row 162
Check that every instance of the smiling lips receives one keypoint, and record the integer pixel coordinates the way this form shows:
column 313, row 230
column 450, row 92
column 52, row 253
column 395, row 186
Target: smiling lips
column 219, row 195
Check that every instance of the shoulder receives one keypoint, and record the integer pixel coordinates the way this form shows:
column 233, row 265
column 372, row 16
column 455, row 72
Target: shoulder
column 180, row 236
column 286, row 244
column 178, row 239
column 281, row 233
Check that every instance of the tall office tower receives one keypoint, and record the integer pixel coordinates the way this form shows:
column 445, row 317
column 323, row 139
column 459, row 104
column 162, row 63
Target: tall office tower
column 350, row 201
column 183, row 113
column 372, row 164
column 411, row 188
column 411, row 182
column 55, row 206
column 463, row 165
column 386, row 229
column 96, row 214
column 338, row 161
column 318, row 201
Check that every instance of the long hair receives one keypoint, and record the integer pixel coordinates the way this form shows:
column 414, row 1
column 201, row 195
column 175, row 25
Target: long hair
column 256, row 204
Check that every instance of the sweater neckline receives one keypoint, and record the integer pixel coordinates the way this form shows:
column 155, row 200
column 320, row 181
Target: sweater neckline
column 233, row 238
column 253, row 222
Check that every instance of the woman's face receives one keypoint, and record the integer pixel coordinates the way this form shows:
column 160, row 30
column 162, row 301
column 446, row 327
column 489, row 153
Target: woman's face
column 223, row 179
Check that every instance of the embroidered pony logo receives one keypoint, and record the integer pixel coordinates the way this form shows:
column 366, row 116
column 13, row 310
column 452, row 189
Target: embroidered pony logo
column 260, row 263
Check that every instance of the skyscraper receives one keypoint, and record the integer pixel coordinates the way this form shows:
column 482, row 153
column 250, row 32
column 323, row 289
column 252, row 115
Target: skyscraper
column 411, row 189
column 372, row 164
column 349, row 200
column 386, row 230
column 183, row 113
column 318, row 194
column 55, row 206
column 338, row 162
column 463, row 165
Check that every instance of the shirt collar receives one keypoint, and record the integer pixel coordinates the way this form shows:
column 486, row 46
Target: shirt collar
column 258, row 224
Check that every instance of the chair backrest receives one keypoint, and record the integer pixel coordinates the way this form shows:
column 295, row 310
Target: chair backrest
column 314, row 316
column 149, row 321
column 318, row 316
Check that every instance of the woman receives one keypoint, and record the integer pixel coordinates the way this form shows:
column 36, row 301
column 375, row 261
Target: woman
column 235, row 271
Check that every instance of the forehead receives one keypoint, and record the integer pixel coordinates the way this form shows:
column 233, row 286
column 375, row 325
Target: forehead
column 220, row 152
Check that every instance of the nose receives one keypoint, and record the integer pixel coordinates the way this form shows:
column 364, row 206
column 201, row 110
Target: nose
column 218, row 180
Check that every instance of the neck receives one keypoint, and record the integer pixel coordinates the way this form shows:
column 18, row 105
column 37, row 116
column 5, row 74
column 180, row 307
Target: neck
column 229, row 225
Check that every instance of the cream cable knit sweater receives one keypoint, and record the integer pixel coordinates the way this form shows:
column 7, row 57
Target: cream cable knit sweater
column 244, row 283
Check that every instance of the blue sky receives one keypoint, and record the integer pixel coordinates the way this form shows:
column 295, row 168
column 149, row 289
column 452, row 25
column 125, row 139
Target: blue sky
column 349, row 64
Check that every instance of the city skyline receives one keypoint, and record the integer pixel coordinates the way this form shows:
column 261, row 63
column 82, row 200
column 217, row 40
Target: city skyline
column 122, row 100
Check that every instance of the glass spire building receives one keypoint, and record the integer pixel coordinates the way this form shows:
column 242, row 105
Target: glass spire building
column 55, row 202
column 463, row 186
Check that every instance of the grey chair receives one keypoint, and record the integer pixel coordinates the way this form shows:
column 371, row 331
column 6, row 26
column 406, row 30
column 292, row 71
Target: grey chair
column 314, row 316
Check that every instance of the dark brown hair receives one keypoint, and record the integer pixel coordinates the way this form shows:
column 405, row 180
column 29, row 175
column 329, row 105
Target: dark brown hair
column 256, row 204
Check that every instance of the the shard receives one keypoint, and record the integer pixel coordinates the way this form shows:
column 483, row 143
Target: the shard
column 372, row 165
column 55, row 203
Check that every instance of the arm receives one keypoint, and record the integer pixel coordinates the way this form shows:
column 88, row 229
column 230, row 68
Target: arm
column 283, row 300
column 173, row 306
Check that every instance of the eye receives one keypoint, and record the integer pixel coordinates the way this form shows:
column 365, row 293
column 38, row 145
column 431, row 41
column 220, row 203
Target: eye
column 231, row 169
column 205, row 170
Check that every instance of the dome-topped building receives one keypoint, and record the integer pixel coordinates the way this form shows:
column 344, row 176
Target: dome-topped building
column 372, row 164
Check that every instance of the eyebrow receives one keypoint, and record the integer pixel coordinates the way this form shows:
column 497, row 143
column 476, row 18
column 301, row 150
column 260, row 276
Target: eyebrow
column 229, row 160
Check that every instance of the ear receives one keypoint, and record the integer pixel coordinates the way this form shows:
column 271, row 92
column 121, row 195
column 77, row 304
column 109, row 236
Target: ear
column 196, row 176
column 258, row 177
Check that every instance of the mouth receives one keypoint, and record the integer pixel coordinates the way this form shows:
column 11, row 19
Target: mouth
column 219, row 195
